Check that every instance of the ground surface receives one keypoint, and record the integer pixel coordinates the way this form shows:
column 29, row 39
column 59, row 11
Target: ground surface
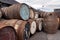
column 44, row 36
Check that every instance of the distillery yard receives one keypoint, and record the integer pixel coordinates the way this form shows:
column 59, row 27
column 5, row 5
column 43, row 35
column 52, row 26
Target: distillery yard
column 20, row 21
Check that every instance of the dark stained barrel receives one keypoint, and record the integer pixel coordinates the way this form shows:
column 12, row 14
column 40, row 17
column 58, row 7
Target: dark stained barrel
column 7, row 33
column 51, row 23
column 16, row 11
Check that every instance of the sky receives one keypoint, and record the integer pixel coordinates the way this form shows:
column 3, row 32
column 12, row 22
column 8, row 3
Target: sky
column 38, row 4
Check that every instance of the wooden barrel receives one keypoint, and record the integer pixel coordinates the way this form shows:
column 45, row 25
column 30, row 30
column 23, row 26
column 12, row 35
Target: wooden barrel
column 50, row 23
column 59, row 23
column 24, row 31
column 0, row 14
column 45, row 14
column 58, row 14
column 33, row 26
column 7, row 33
column 2, row 23
column 39, row 23
column 36, row 15
column 42, row 13
column 32, row 14
column 22, row 28
column 16, row 11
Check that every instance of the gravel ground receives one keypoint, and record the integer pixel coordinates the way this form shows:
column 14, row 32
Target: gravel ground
column 39, row 36
column 44, row 36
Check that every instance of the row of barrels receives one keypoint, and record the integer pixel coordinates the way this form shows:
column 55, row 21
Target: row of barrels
column 15, row 29
column 18, row 11
column 21, row 21
column 50, row 22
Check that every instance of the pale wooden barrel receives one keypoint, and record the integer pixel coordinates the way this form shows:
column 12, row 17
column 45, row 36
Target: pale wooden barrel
column 16, row 11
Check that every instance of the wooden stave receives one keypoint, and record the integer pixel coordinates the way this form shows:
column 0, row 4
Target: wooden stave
column 0, row 14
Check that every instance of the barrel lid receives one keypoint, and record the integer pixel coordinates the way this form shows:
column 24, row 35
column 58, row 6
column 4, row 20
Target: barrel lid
column 24, row 11
column 9, row 1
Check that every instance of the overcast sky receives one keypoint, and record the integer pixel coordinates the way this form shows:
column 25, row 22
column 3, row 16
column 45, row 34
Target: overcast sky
column 39, row 3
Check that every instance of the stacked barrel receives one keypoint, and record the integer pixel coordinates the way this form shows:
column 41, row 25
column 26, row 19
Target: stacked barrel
column 13, row 22
column 0, row 13
column 19, row 22
column 50, row 22
column 16, row 11
column 18, row 29
column 38, row 20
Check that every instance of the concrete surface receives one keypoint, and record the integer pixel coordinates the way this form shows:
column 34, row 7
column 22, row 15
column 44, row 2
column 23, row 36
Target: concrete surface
column 45, row 36
column 54, row 36
column 39, row 36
